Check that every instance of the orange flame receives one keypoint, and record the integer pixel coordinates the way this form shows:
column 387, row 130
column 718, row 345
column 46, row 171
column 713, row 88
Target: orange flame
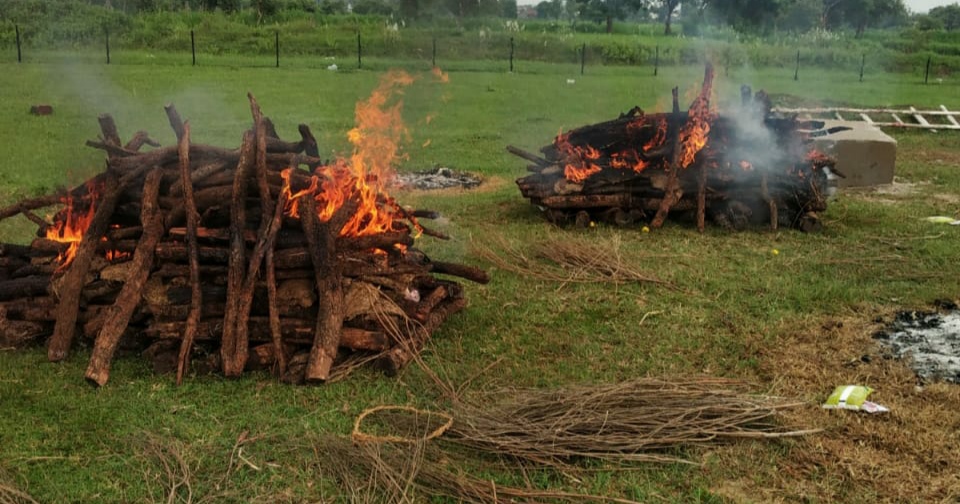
column 441, row 75
column 361, row 179
column 70, row 227
column 580, row 165
column 693, row 135
column 116, row 255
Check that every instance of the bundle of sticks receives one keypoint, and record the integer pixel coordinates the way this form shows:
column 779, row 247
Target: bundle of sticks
column 746, row 168
column 259, row 257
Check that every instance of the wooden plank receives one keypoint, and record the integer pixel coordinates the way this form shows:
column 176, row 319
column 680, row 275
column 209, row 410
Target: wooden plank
column 831, row 110
column 866, row 118
column 899, row 121
column 920, row 119
column 838, row 116
column 950, row 118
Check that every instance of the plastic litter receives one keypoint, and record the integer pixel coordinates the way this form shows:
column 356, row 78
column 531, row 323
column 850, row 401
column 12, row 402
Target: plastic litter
column 853, row 397
column 941, row 219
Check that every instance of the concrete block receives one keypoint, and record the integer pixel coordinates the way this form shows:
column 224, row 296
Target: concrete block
column 864, row 154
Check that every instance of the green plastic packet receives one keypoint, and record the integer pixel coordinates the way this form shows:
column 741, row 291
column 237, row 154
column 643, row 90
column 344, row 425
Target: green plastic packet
column 853, row 397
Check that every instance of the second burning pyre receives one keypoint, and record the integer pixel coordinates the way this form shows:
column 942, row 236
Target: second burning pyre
column 745, row 167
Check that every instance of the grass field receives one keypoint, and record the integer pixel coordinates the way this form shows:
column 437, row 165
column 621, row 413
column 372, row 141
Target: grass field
column 796, row 323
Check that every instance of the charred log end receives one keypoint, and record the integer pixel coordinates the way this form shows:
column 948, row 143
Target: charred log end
column 810, row 223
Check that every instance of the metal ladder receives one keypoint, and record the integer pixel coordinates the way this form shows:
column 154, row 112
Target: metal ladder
column 948, row 117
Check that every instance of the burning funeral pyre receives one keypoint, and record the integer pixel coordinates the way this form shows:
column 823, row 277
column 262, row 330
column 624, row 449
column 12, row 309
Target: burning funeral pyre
column 237, row 259
column 749, row 167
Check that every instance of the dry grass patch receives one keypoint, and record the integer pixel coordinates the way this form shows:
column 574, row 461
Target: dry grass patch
column 911, row 454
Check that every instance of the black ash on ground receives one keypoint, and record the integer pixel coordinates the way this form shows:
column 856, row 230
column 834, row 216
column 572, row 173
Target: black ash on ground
column 929, row 340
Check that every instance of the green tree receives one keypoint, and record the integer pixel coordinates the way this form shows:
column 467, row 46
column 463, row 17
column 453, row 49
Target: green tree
column 948, row 15
column 550, row 9
column 858, row 14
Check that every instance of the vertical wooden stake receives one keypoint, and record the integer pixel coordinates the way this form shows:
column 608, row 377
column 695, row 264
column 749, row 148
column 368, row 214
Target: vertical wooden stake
column 796, row 72
column 656, row 62
column 863, row 61
column 106, row 32
column 511, row 54
column 359, row 51
column 193, row 48
column 583, row 57
column 434, row 60
column 926, row 74
column 276, row 44
column 19, row 55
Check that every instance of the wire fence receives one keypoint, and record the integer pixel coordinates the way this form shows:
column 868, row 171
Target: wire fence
column 514, row 56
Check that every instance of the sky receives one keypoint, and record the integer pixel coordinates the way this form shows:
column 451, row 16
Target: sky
column 925, row 5
column 913, row 5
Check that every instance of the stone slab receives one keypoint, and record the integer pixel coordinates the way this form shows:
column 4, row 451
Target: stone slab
column 865, row 155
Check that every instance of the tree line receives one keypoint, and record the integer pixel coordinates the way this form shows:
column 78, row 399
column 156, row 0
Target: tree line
column 761, row 17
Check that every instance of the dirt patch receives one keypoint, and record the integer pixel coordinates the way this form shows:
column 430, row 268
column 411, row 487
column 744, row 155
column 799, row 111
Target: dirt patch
column 490, row 184
column 911, row 454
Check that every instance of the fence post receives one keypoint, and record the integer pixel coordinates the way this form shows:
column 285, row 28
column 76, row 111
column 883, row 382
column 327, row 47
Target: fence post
column 511, row 54
column 796, row 72
column 926, row 73
column 276, row 45
column 359, row 51
column 863, row 61
column 19, row 57
column 656, row 61
column 434, row 60
column 193, row 48
column 106, row 32
column 583, row 57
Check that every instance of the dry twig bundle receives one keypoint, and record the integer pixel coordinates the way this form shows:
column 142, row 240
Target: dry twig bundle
column 564, row 259
column 632, row 421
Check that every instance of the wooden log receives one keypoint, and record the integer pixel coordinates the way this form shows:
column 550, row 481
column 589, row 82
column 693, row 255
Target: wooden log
column 460, row 270
column 118, row 316
column 702, row 198
column 430, row 302
column 407, row 349
column 321, row 243
column 24, row 287
column 233, row 351
column 203, row 172
column 73, row 280
column 32, row 204
column 267, row 232
column 308, row 141
column 193, row 218
column 37, row 309
column 20, row 333
column 109, row 130
column 140, row 139
column 294, row 332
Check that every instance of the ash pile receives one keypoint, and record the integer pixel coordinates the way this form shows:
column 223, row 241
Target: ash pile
column 750, row 167
column 206, row 258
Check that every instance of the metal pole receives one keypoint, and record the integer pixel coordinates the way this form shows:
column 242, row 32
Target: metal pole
column 926, row 74
column 434, row 52
column 19, row 55
column 583, row 57
column 796, row 73
column 863, row 61
column 511, row 54
column 107, row 32
column 656, row 62
column 193, row 48
column 359, row 51
column 276, row 44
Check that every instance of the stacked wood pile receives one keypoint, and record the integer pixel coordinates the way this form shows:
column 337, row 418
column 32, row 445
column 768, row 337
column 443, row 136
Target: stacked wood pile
column 748, row 168
column 235, row 258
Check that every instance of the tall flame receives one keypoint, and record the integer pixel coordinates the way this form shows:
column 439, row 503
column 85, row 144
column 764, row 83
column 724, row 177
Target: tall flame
column 693, row 135
column 361, row 179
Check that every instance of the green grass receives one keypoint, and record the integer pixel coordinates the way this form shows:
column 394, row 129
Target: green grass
column 63, row 441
